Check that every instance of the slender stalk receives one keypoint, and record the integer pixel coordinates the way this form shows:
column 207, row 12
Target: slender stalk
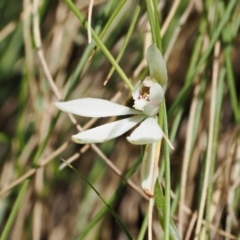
column 155, row 28
column 166, row 160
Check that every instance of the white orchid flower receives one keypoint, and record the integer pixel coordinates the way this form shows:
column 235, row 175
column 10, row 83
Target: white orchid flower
column 147, row 96
column 147, row 99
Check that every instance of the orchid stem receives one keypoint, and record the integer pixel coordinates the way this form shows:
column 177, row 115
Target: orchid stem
column 155, row 28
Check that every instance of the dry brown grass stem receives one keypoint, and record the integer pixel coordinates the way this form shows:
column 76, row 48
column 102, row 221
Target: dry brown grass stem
column 170, row 17
column 186, row 158
column 90, row 20
column 38, row 44
column 8, row 29
column 38, row 208
column 150, row 218
column 216, row 65
column 191, row 226
column 219, row 231
column 31, row 172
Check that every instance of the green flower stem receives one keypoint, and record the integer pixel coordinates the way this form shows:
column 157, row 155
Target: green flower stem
column 155, row 28
column 166, row 159
column 100, row 44
column 126, row 40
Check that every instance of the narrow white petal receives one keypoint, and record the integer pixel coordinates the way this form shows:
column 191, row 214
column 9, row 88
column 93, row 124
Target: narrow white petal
column 107, row 131
column 147, row 132
column 94, row 107
column 148, row 169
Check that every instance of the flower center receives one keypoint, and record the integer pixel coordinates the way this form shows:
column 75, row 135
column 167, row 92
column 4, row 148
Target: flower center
column 145, row 91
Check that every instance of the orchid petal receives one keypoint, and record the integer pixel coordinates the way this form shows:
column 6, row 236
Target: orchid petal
column 148, row 169
column 107, row 131
column 156, row 97
column 157, row 66
column 147, row 132
column 151, row 109
column 95, row 107
column 156, row 93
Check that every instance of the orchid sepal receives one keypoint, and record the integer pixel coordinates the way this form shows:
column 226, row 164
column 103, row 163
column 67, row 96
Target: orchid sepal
column 157, row 66
column 95, row 107
column 146, row 133
column 149, row 168
column 107, row 131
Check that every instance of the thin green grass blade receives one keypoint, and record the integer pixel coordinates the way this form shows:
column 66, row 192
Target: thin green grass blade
column 227, row 41
column 218, row 107
column 4, row 138
column 111, row 19
column 104, row 201
column 167, row 175
column 126, row 40
column 100, row 44
column 104, row 210
column 157, row 30
column 14, row 211
column 151, row 20
column 143, row 228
